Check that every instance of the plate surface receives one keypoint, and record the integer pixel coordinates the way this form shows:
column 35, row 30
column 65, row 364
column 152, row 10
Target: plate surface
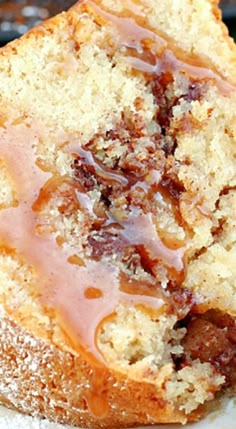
column 223, row 419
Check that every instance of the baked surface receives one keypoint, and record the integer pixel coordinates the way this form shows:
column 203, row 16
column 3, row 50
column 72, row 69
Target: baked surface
column 117, row 220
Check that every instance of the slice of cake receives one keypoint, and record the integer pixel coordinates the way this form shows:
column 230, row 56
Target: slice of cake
column 117, row 214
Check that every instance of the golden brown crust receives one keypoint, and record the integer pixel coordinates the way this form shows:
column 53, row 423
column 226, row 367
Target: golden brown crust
column 208, row 37
column 229, row 40
column 40, row 379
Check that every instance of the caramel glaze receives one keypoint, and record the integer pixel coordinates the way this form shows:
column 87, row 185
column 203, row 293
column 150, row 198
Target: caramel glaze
column 151, row 50
column 63, row 284
column 81, row 294
column 137, row 228
column 84, row 292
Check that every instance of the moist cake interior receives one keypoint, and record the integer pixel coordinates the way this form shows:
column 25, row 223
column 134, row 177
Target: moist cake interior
column 132, row 198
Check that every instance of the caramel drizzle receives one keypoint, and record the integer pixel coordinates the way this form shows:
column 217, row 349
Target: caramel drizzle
column 63, row 286
column 106, row 174
column 138, row 228
column 152, row 52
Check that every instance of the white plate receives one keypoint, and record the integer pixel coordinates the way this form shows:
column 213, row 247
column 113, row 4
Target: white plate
column 222, row 419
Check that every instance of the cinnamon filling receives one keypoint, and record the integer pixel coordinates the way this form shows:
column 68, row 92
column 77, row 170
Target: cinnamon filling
column 210, row 337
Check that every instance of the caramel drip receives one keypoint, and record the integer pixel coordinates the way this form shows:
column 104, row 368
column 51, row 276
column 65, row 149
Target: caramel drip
column 139, row 230
column 106, row 174
column 93, row 293
column 62, row 284
column 96, row 397
column 152, row 51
